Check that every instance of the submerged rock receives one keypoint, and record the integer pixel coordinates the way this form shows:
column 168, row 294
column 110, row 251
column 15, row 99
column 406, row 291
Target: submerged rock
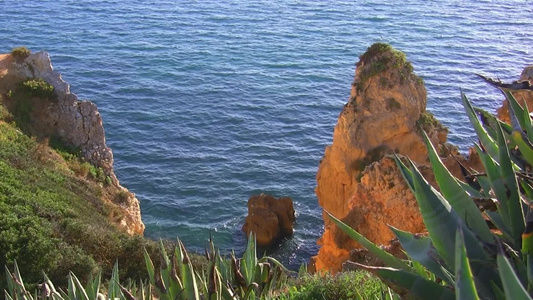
column 270, row 219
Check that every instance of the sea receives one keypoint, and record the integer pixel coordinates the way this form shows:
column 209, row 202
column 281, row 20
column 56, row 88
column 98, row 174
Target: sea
column 206, row 103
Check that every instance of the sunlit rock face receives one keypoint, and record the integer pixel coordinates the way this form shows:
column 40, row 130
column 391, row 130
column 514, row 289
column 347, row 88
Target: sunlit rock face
column 356, row 182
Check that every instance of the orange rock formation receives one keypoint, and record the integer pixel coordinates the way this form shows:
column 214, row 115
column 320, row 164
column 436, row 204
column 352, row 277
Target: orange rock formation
column 354, row 182
column 269, row 219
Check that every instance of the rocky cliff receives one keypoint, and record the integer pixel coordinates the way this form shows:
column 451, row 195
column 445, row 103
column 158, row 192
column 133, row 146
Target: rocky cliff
column 356, row 181
column 76, row 123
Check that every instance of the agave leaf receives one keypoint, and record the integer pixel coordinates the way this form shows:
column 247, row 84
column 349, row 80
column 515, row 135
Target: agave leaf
column 93, row 286
column 496, row 219
column 79, row 290
column 512, row 196
column 410, row 285
column 406, row 173
column 114, row 290
column 149, row 267
column 488, row 143
column 498, row 292
column 190, row 288
column 10, row 282
column 524, row 146
column 497, row 186
column 527, row 236
column 489, row 120
column 249, row 260
column 511, row 284
column 71, row 289
column 442, row 221
column 420, row 249
column 175, row 287
column 383, row 255
column 464, row 280
column 164, row 268
column 516, row 112
column 504, row 186
column 527, row 122
column 457, row 196
column 484, row 181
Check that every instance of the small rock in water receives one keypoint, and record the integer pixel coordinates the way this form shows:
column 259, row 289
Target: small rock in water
column 270, row 219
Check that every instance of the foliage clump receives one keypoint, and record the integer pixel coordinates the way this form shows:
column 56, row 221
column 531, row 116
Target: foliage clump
column 346, row 285
column 54, row 221
column 20, row 53
column 428, row 122
column 37, row 88
column 381, row 57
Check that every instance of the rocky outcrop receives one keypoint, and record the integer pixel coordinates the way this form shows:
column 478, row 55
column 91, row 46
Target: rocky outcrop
column 355, row 182
column 522, row 96
column 77, row 123
column 270, row 219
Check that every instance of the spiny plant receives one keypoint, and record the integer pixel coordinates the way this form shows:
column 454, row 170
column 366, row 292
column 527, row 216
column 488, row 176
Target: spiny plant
column 245, row 278
column 462, row 257
column 176, row 278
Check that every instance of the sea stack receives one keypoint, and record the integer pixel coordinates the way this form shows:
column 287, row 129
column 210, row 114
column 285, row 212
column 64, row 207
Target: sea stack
column 357, row 181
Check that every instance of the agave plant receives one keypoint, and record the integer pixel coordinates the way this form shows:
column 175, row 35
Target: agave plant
column 245, row 278
column 462, row 257
column 74, row 291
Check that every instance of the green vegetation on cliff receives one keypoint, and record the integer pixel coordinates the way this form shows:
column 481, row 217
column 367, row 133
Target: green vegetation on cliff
column 54, row 220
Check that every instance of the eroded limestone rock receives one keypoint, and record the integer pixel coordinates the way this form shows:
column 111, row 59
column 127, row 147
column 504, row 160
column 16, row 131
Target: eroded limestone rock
column 270, row 219
column 354, row 182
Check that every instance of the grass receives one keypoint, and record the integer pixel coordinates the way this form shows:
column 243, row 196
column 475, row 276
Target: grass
column 381, row 57
column 347, row 285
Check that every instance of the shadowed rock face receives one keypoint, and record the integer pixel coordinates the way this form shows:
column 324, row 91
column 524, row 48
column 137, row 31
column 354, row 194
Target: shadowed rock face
column 270, row 219
column 354, row 182
column 77, row 123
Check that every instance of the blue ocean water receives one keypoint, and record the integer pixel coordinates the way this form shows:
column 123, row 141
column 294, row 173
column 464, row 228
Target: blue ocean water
column 208, row 102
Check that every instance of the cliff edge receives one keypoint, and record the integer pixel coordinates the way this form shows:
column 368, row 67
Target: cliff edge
column 75, row 123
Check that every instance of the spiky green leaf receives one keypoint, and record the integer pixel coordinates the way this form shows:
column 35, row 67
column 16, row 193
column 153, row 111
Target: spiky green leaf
column 383, row 255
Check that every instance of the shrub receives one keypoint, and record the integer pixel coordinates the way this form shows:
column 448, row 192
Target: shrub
column 37, row 88
column 20, row 53
column 346, row 286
